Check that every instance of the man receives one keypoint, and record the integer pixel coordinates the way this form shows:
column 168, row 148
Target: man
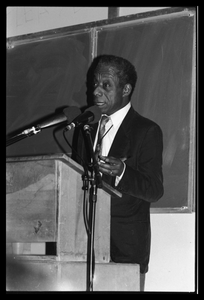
column 129, row 158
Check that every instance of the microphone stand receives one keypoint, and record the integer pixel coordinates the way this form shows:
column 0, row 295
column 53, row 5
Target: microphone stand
column 95, row 182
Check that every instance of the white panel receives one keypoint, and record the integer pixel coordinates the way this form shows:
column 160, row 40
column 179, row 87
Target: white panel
column 172, row 258
column 137, row 10
column 23, row 20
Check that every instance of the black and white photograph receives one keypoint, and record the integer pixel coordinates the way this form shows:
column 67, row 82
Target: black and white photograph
column 101, row 150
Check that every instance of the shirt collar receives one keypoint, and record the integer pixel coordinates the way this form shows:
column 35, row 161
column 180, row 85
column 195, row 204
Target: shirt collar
column 119, row 115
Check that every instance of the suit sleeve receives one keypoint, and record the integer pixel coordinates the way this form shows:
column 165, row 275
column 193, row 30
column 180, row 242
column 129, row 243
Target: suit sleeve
column 143, row 177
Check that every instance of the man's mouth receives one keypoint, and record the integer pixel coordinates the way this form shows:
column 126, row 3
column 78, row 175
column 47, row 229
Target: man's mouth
column 98, row 103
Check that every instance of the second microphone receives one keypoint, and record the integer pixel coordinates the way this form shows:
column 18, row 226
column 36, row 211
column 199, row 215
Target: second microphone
column 90, row 116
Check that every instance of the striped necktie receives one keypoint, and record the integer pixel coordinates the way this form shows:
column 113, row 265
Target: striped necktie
column 104, row 120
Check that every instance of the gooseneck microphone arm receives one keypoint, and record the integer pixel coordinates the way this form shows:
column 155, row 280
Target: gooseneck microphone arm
column 69, row 114
column 26, row 133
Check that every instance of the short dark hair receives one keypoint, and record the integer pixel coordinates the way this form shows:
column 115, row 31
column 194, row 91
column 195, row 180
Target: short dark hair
column 124, row 69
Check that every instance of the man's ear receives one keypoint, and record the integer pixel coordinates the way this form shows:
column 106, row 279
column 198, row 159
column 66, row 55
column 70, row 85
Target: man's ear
column 127, row 90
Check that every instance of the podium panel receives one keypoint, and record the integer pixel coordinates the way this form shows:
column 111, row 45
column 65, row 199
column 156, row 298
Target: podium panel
column 31, row 206
column 72, row 236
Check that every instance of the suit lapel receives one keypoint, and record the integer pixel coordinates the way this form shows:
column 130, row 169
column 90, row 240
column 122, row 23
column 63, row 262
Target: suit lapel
column 121, row 145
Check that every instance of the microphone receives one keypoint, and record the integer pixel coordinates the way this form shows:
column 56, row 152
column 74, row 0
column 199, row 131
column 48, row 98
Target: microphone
column 68, row 114
column 90, row 116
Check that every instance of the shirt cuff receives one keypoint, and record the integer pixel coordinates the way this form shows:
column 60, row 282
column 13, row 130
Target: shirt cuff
column 118, row 178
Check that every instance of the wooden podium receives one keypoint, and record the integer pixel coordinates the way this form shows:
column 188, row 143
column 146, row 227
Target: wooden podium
column 44, row 204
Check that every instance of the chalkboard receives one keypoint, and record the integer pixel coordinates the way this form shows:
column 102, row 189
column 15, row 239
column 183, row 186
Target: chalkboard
column 43, row 77
column 47, row 72
column 161, row 50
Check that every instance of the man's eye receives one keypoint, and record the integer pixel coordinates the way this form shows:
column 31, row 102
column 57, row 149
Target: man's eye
column 106, row 85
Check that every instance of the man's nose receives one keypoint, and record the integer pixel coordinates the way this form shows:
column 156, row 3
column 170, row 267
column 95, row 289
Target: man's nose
column 97, row 92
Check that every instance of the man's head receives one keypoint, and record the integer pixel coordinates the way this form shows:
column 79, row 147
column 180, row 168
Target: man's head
column 114, row 82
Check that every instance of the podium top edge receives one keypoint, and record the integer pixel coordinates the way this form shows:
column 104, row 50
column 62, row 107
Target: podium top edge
column 66, row 159
column 59, row 156
column 38, row 157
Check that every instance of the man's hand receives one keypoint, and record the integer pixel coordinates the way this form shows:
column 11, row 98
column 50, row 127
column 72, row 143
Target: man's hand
column 110, row 165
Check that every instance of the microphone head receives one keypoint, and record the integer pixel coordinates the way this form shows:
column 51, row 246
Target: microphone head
column 95, row 110
column 71, row 113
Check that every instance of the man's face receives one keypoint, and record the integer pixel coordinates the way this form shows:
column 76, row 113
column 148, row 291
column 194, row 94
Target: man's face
column 108, row 95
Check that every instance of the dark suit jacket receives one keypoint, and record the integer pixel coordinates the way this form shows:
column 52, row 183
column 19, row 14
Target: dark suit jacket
column 140, row 141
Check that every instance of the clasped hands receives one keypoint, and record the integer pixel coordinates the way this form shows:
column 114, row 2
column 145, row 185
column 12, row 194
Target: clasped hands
column 110, row 165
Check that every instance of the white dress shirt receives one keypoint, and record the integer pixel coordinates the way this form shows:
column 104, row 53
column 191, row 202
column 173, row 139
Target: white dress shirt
column 111, row 129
